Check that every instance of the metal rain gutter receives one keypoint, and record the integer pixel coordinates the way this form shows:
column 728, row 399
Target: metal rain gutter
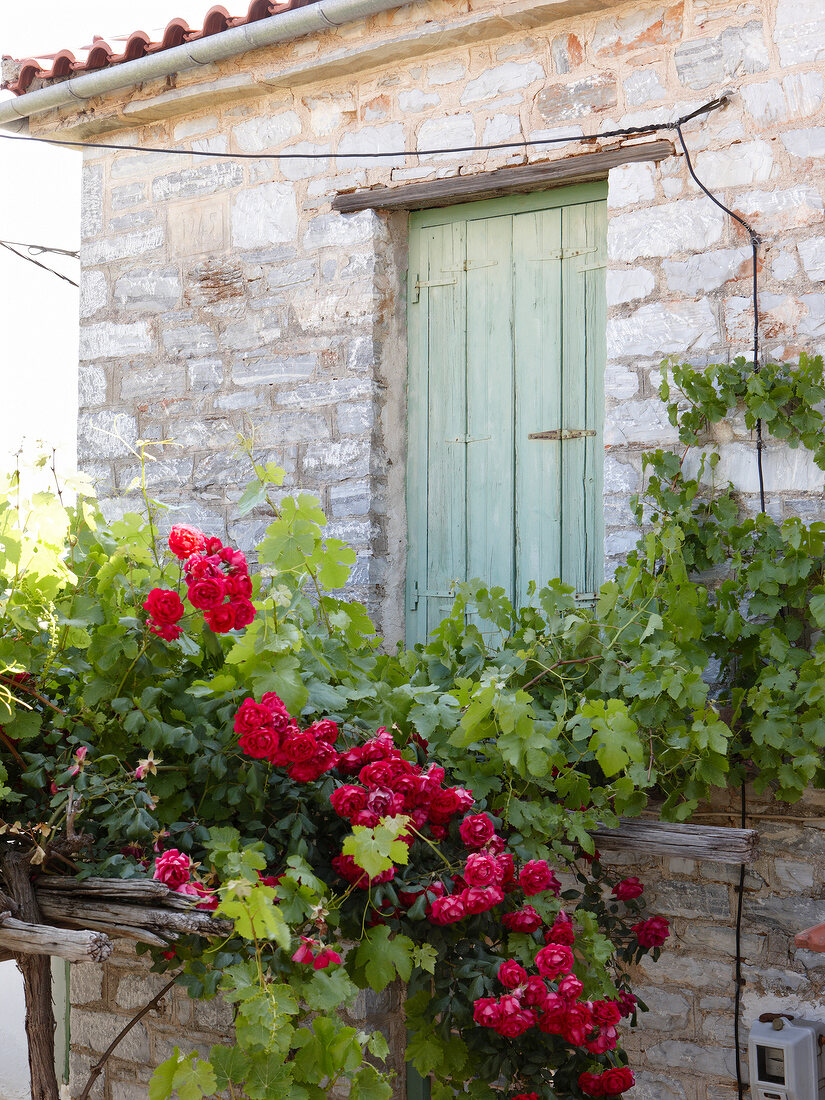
column 320, row 16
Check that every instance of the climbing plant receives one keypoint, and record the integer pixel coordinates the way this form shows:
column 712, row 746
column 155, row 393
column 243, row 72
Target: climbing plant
column 362, row 815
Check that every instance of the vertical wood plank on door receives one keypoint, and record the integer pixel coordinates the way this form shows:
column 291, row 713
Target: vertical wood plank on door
column 490, row 388
column 417, row 429
column 573, row 387
column 538, row 351
column 595, row 311
column 446, row 458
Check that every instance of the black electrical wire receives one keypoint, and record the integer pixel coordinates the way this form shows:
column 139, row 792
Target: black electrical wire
column 37, row 263
column 39, row 249
column 626, row 131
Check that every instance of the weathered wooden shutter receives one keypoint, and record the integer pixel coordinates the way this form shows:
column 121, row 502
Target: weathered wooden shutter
column 506, row 344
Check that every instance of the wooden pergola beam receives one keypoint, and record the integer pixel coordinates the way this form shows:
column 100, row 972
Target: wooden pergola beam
column 18, row 937
column 665, row 838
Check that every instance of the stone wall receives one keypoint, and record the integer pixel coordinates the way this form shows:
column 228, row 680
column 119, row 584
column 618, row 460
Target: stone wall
column 222, row 293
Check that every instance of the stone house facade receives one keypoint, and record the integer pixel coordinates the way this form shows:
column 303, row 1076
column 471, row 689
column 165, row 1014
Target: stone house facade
column 226, row 295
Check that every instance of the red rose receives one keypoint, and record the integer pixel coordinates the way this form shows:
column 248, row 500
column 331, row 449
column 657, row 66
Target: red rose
column 184, row 541
column 617, row 1080
column 551, row 1021
column 348, row 869
column 525, row 919
column 562, row 930
column 164, row 606
column 476, row 830
column 261, row 743
column 536, row 877
column 652, row 932
column 207, row 593
column 304, row 771
column 481, row 870
column 280, row 716
column 554, row 959
column 300, row 746
column 251, row 716
column 606, row 1039
column 628, row 889
column 591, row 1084
column 325, row 730
column 606, row 1012
column 570, row 987
column 578, row 1023
column 627, row 1003
column 172, row 867
column 535, row 992
column 200, row 565
column 487, row 1012
column 243, row 610
column 235, row 559
column 220, row 619
column 239, row 584
column 168, row 631
column 444, row 805
column 348, row 800
column 512, row 974
column 515, row 1024
column 479, row 899
column 447, row 910
column 506, row 866
column 526, row 1096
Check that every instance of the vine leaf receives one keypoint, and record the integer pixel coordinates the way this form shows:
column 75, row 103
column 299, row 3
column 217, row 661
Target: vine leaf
column 383, row 956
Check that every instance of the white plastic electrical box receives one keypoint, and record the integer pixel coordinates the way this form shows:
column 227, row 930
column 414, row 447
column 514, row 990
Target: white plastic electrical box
column 787, row 1058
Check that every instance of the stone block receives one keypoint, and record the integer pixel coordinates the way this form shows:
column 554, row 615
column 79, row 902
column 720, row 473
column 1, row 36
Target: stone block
column 86, row 983
column 773, row 980
column 691, row 899
column 189, row 340
column 316, row 163
column 374, row 139
column 620, row 383
column 638, row 29
column 639, row 422
column 631, row 184
column 446, row 73
column 772, row 212
column 135, row 219
column 500, row 79
column 668, row 1011
column 703, row 62
column 708, row 271
column 124, row 246
column 620, row 477
column 142, row 382
column 784, row 266
column 204, row 375
column 793, row 876
column 765, row 102
column 501, row 128
column 686, row 970
column 715, row 1060
column 803, row 93
column 341, row 230
column 707, row 938
column 620, row 543
column 654, row 1086
column 643, row 86
column 95, row 1030
column 800, row 31
column 414, row 101
column 94, row 293
column 92, row 386
column 135, row 990
column 91, row 201
column 812, row 254
column 143, row 164
column 330, row 391
column 264, row 215
column 578, row 98
column 128, row 194
column 450, row 132
column 80, row 1066
column 106, row 340
column 742, row 164
column 151, row 290
column 355, row 418
column 261, row 134
column 251, row 334
column 805, row 144
column 628, row 285
column 350, row 498
column 663, row 328
column 349, row 458
column 813, row 322
column 271, row 369
column 192, row 127
column 690, row 225
column 567, row 52
column 293, row 427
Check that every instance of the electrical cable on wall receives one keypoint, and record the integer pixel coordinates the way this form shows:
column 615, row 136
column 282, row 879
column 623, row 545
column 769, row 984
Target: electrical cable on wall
column 37, row 263
column 630, row 131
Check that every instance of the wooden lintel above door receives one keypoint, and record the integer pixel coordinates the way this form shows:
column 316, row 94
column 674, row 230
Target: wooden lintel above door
column 516, row 180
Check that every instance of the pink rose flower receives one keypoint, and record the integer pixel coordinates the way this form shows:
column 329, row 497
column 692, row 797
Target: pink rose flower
column 512, row 974
column 476, row 830
column 554, row 959
column 173, row 868
column 525, row 919
column 536, row 876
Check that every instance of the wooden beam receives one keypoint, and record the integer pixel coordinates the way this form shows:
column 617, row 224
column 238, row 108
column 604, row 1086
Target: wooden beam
column 502, row 181
column 23, row 938
column 131, row 890
column 706, row 842
column 80, row 911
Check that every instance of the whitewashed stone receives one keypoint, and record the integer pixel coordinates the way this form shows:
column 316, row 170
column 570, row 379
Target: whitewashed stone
column 805, row 144
column 663, row 328
column 448, row 73
column 689, row 225
column 620, row 477
column 785, row 266
column 764, row 102
column 803, row 93
column 637, row 28
column 416, row 100
column 780, row 315
column 93, row 292
column 510, row 77
column 747, row 163
column 628, row 284
column 800, row 31
column 706, row 271
column 558, row 102
column 91, row 202
column 620, row 382
column 105, row 340
column 205, row 179
column 374, row 139
column 106, row 434
column 643, row 86
column 92, row 386
column 148, row 289
column 188, row 340
column 812, row 254
column 737, row 50
column 501, row 128
column 630, row 184
column 259, row 134
column 812, row 323
column 341, row 230
column 673, row 187
column 204, row 375
column 218, row 143
column 783, row 468
column 109, row 249
column 263, row 215
column 643, row 421
column 191, row 127
column 301, row 168
column 774, row 211
column 326, row 112
column 653, row 1086
column 444, row 133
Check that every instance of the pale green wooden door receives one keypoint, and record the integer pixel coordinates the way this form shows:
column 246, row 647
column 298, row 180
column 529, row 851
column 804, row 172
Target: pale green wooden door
column 506, row 340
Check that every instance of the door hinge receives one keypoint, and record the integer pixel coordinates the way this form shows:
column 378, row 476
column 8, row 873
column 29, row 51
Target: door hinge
column 562, row 433
column 417, row 595
column 566, row 253
column 419, row 283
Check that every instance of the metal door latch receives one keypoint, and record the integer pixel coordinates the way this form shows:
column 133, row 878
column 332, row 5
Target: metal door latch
column 417, row 595
column 562, row 433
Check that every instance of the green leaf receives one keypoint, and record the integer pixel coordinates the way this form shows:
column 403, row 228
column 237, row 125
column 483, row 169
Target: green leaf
column 383, row 956
column 369, row 1084
column 163, row 1078
column 377, row 849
